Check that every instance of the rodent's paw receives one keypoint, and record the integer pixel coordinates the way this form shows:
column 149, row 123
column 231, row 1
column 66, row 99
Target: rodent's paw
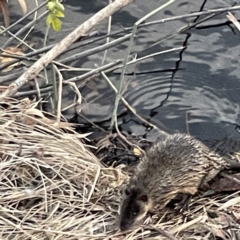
column 184, row 204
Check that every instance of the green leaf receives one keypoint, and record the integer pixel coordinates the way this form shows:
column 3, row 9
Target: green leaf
column 59, row 6
column 49, row 19
column 57, row 24
column 59, row 14
column 51, row 6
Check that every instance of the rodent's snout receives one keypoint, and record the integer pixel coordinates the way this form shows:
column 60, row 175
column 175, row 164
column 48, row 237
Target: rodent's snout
column 125, row 223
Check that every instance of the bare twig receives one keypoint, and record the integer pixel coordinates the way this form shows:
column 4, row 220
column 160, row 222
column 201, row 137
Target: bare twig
column 108, row 32
column 130, row 108
column 10, row 77
column 20, row 40
column 125, row 139
column 24, row 17
column 89, row 121
column 45, row 49
column 32, row 92
column 30, row 24
column 96, row 49
column 155, row 54
column 233, row 20
column 37, row 88
column 119, row 92
column 19, row 57
column 115, row 65
column 59, row 104
column 94, row 71
column 196, row 14
column 78, row 95
column 187, row 125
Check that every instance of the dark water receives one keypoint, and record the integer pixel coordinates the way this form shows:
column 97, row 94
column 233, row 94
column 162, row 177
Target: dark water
column 196, row 87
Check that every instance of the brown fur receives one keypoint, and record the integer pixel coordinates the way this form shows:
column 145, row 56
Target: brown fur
column 178, row 164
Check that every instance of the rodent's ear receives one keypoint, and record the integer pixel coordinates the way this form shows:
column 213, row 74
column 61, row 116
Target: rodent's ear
column 143, row 198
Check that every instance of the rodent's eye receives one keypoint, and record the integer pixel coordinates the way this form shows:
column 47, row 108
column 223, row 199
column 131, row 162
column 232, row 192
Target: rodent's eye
column 127, row 192
column 143, row 198
column 134, row 213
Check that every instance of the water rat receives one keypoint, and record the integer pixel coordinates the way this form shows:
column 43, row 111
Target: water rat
column 179, row 164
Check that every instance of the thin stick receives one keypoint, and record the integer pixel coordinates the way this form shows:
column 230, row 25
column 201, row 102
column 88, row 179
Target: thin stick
column 28, row 33
column 187, row 125
column 118, row 97
column 130, row 108
column 63, row 45
column 20, row 40
column 37, row 89
column 115, row 65
column 59, row 104
column 196, row 14
column 155, row 54
column 125, row 139
column 30, row 24
column 45, row 49
column 233, row 20
column 10, row 77
column 95, row 125
column 24, row 17
column 32, row 92
column 78, row 96
column 108, row 32
column 96, row 49
column 94, row 71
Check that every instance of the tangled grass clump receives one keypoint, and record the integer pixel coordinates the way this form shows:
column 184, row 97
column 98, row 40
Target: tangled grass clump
column 51, row 186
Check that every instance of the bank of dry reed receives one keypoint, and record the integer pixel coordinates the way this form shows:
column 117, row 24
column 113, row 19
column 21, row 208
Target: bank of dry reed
column 53, row 187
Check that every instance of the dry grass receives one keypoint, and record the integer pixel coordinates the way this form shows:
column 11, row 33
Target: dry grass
column 53, row 187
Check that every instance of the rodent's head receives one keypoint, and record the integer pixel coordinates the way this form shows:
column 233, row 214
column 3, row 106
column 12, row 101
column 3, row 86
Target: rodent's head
column 134, row 207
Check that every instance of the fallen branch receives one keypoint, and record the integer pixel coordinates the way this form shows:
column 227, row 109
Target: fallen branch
column 63, row 45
